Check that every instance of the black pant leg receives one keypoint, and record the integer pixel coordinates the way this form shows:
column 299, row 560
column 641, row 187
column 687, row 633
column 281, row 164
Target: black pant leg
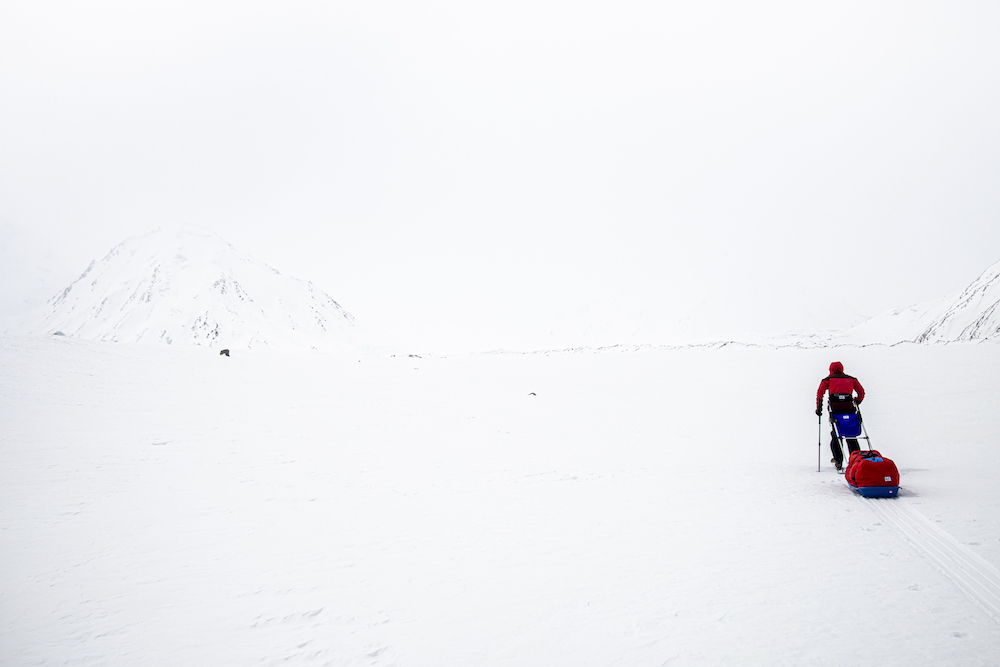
column 838, row 452
column 852, row 445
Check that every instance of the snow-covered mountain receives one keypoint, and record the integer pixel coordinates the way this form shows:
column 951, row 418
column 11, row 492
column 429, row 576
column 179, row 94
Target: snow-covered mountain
column 967, row 315
column 189, row 286
column 972, row 314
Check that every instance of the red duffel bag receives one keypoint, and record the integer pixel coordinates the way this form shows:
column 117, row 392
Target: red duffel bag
column 866, row 469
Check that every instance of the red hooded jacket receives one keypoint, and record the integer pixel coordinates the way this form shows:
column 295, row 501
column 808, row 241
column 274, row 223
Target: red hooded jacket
column 839, row 383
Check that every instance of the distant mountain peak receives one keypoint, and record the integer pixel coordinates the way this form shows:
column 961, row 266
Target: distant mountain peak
column 972, row 314
column 187, row 285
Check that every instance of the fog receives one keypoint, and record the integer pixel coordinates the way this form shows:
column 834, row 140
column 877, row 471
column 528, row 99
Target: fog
column 516, row 174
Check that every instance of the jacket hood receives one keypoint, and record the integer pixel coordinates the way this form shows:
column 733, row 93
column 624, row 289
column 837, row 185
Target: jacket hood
column 836, row 367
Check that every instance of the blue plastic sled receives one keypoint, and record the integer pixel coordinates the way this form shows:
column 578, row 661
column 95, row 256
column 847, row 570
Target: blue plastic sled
column 877, row 491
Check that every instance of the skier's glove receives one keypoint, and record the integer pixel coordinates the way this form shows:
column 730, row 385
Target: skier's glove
column 819, row 412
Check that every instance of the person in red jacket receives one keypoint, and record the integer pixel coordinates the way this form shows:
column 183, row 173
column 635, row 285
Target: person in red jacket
column 842, row 401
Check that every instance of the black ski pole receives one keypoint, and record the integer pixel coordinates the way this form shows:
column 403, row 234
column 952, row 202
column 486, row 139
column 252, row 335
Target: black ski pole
column 819, row 442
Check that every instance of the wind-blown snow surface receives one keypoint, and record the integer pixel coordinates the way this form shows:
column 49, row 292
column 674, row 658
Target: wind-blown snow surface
column 189, row 286
column 167, row 506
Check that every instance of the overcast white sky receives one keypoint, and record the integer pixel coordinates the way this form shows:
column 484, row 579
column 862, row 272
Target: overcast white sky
column 484, row 173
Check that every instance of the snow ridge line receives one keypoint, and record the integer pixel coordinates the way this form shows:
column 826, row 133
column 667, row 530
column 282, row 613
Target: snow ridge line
column 976, row 577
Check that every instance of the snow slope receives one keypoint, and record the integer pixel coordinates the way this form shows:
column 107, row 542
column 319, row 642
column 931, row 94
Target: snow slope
column 162, row 505
column 972, row 314
column 191, row 287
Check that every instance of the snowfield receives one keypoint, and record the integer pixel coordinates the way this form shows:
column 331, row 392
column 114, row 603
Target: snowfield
column 163, row 505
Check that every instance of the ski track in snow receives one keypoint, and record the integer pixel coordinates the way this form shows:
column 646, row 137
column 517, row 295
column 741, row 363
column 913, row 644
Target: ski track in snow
column 978, row 579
